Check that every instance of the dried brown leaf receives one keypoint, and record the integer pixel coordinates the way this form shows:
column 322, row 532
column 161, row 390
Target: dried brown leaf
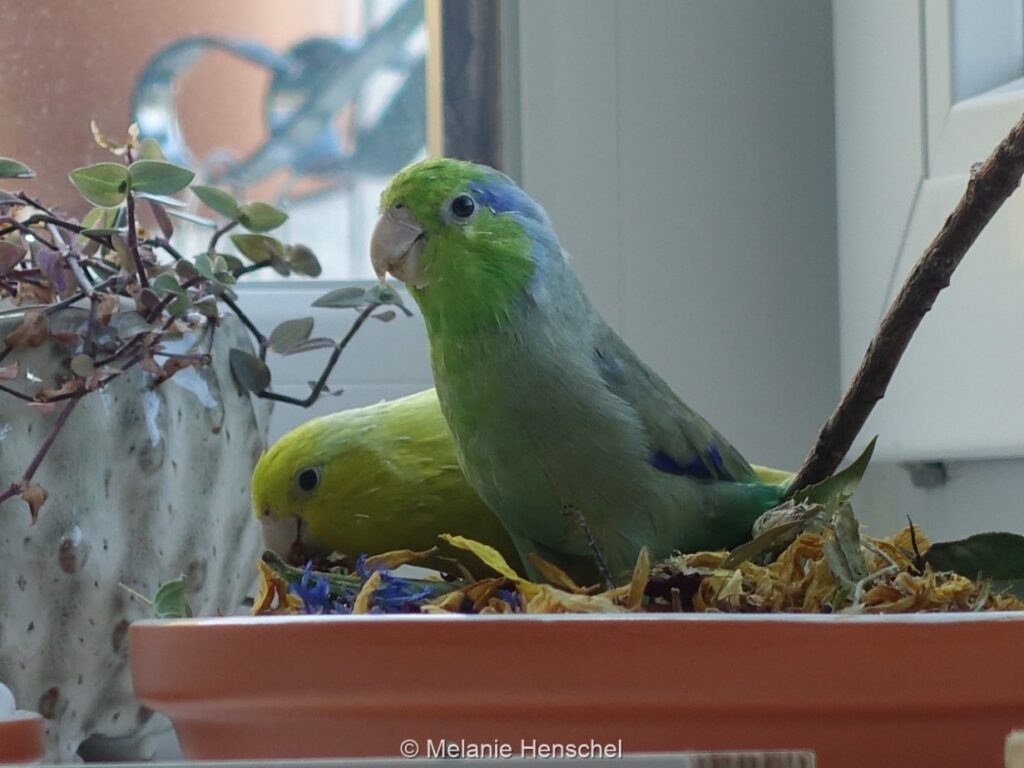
column 69, row 387
column 109, row 305
column 35, row 496
column 33, row 330
column 553, row 573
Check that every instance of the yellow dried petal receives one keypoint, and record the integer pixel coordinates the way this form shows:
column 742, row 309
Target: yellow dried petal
column 553, row 573
column 638, row 584
column 366, row 593
column 905, row 541
column 397, row 558
column 265, row 590
column 487, row 554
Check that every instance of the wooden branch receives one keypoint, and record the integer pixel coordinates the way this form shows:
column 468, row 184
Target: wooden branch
column 990, row 185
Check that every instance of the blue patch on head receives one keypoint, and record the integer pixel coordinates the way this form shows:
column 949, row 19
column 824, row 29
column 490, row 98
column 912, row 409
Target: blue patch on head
column 501, row 195
column 707, row 467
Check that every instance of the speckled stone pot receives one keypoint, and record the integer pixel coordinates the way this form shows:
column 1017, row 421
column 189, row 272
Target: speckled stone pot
column 143, row 485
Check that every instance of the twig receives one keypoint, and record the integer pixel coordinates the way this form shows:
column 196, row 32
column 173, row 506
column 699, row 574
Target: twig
column 988, row 188
column 17, row 394
column 133, row 243
column 595, row 551
column 221, row 231
column 175, row 254
column 19, row 485
column 318, row 388
column 25, row 229
column 248, row 268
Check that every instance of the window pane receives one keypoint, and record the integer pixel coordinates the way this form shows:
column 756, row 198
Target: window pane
column 988, row 45
column 310, row 104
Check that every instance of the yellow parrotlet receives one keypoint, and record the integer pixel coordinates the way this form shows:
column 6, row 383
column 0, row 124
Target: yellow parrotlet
column 375, row 479
column 371, row 480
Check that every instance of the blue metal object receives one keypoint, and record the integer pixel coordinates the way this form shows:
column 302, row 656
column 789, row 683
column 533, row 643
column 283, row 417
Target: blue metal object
column 311, row 83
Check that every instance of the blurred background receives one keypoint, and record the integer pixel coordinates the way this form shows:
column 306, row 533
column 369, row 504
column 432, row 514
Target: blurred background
column 742, row 186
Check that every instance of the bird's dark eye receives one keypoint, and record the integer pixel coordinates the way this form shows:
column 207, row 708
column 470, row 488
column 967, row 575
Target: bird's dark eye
column 309, row 479
column 463, row 207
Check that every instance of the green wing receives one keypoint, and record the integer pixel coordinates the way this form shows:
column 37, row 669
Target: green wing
column 681, row 441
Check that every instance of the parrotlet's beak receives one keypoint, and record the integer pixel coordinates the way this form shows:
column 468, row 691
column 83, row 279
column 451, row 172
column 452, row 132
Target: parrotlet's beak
column 396, row 246
column 279, row 533
column 287, row 537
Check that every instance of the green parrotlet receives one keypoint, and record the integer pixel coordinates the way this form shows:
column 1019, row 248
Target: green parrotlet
column 552, row 414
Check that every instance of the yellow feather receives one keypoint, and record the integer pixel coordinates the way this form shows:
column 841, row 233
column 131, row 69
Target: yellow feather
column 388, row 479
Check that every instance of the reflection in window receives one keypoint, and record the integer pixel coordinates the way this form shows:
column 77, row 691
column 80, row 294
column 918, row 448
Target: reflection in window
column 988, row 45
column 339, row 113
column 312, row 104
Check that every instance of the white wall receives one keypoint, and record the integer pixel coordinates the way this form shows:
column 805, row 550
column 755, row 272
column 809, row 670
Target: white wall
column 685, row 152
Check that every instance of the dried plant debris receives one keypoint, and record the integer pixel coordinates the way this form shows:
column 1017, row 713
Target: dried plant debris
column 829, row 567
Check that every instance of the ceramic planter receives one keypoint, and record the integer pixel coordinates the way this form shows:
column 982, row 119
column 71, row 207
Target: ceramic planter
column 921, row 690
column 21, row 739
column 143, row 485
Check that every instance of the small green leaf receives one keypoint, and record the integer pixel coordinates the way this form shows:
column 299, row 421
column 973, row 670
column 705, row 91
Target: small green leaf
column 170, row 600
column 179, row 306
column 385, row 317
column 830, row 491
column 303, row 261
column 342, row 298
column 149, row 149
column 309, row 345
column 280, row 266
column 997, row 556
column 157, row 177
column 204, row 266
column 260, row 217
column 166, row 283
column 289, row 333
column 385, row 294
column 82, row 365
column 217, row 200
column 12, row 169
column 97, row 219
column 842, row 484
column 102, row 184
column 259, row 249
column 208, row 307
column 185, row 269
column 233, row 263
column 767, row 539
column 249, row 371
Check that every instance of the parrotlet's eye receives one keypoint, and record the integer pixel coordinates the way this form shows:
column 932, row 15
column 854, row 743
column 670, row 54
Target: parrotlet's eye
column 463, row 206
column 308, row 479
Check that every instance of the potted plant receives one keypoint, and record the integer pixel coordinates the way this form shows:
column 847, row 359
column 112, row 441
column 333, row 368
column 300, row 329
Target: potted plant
column 135, row 399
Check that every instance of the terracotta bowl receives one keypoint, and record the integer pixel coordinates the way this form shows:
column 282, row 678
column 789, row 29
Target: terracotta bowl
column 925, row 690
column 21, row 739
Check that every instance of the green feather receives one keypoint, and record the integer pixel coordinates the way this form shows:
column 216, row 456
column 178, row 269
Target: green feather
column 475, row 293
column 548, row 407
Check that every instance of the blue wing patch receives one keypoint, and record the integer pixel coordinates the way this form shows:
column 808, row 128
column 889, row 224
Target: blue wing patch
column 710, row 466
